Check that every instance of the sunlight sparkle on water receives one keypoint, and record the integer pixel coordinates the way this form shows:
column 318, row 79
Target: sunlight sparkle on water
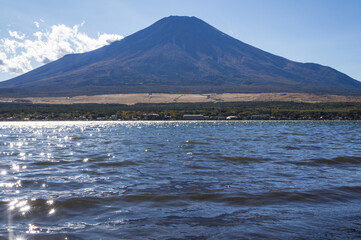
column 15, row 167
column 52, row 211
column 33, row 229
column 22, row 206
column 209, row 169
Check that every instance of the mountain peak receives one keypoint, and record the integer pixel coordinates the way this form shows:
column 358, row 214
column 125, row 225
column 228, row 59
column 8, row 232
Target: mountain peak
column 180, row 24
column 177, row 18
column 181, row 18
column 179, row 54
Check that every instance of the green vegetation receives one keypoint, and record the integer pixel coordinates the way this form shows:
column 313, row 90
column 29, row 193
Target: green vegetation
column 175, row 111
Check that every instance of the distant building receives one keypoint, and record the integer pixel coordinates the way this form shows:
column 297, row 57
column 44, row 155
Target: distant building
column 217, row 118
column 22, row 101
column 153, row 116
column 113, row 117
column 259, row 117
column 193, row 117
column 231, row 118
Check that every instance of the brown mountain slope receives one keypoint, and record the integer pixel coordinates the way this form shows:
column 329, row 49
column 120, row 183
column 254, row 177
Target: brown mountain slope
column 178, row 55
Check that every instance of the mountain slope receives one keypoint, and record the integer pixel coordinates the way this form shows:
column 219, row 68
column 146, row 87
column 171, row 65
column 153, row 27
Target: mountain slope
column 178, row 55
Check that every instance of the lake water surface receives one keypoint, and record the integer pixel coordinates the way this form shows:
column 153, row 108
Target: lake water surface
column 180, row 180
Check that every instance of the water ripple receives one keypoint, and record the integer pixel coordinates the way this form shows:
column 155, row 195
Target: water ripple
column 180, row 180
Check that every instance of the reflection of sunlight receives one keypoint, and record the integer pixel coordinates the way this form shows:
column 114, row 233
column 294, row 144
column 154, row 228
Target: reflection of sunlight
column 10, row 184
column 82, row 125
column 15, row 166
column 33, row 229
column 22, row 206
column 24, row 209
column 12, row 204
column 7, row 184
column 38, row 142
column 19, row 204
column 16, row 144
column 52, row 211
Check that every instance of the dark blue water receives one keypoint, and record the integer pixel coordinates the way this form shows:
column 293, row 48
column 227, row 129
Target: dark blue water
column 180, row 180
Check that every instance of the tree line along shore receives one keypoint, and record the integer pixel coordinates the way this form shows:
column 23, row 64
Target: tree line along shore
column 182, row 111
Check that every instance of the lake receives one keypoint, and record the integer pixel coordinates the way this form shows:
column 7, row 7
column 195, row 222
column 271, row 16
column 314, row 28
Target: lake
column 180, row 180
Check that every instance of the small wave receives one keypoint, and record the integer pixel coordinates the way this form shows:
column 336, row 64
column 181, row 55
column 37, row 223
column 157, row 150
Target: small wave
column 55, row 236
column 338, row 161
column 117, row 164
column 341, row 194
column 197, row 167
column 291, row 148
column 243, row 159
column 194, row 142
column 49, row 163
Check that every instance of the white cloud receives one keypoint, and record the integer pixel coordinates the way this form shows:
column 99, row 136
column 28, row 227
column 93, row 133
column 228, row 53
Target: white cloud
column 16, row 35
column 37, row 24
column 19, row 55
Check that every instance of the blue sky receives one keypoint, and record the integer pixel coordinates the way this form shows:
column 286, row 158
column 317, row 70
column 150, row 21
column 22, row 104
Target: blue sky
column 321, row 31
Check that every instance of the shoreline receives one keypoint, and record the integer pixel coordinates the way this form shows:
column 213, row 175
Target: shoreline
column 238, row 120
column 251, row 110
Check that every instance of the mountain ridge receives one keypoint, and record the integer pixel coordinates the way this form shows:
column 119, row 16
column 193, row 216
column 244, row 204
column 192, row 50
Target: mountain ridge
column 178, row 54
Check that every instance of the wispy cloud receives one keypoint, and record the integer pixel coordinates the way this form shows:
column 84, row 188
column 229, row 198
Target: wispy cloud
column 16, row 35
column 20, row 53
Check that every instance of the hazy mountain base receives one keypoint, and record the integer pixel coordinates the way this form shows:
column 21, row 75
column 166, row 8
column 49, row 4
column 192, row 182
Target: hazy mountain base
column 131, row 99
